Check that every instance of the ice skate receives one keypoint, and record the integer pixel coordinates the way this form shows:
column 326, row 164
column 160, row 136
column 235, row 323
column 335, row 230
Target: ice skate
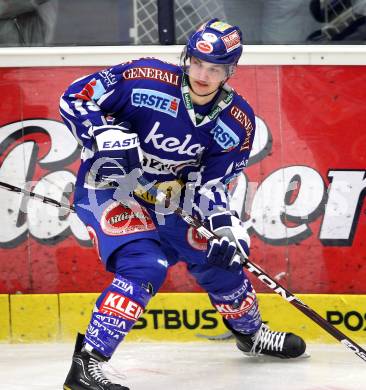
column 266, row 342
column 86, row 372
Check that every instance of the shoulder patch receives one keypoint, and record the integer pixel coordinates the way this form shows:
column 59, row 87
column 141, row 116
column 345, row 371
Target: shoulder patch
column 91, row 91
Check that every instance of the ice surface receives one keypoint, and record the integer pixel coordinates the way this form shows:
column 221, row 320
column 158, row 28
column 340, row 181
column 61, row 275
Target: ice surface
column 216, row 365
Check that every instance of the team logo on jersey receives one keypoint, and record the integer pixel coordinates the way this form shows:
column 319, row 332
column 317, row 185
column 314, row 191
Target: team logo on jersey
column 92, row 91
column 157, row 101
column 224, row 136
column 181, row 146
column 119, row 219
column 231, row 41
column 204, row 47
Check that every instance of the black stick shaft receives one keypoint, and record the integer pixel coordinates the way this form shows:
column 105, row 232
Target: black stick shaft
column 42, row 198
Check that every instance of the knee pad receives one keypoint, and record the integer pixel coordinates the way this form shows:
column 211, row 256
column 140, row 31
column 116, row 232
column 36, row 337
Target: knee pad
column 239, row 307
column 142, row 262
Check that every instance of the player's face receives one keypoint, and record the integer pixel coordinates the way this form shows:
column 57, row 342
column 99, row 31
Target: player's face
column 205, row 76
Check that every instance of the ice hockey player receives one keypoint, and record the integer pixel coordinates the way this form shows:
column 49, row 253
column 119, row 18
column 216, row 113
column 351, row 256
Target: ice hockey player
column 171, row 124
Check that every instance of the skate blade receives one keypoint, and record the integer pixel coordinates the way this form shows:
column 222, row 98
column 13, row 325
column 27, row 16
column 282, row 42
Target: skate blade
column 305, row 355
column 219, row 337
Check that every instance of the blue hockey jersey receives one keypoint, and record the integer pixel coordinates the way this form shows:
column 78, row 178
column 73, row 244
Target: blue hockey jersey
column 176, row 136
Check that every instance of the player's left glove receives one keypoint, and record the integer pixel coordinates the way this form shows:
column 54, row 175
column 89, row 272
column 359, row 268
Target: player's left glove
column 233, row 237
column 117, row 152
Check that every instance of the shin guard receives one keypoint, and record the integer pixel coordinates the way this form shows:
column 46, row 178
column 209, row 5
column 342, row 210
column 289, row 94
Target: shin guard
column 239, row 308
column 117, row 309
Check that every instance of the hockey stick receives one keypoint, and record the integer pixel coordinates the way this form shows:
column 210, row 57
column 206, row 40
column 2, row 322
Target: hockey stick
column 249, row 265
column 42, row 198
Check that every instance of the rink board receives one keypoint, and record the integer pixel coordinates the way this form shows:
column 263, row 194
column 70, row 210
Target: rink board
column 4, row 317
column 310, row 135
column 173, row 317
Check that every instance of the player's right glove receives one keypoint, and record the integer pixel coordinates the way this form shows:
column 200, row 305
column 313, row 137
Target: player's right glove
column 234, row 236
column 117, row 152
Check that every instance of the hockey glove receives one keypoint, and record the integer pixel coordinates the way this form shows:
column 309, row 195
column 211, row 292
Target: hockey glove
column 233, row 237
column 117, row 152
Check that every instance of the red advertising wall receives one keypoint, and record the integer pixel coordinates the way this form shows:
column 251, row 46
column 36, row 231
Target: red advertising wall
column 302, row 196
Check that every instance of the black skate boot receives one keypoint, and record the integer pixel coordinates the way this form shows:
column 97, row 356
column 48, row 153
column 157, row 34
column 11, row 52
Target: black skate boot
column 85, row 371
column 266, row 342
